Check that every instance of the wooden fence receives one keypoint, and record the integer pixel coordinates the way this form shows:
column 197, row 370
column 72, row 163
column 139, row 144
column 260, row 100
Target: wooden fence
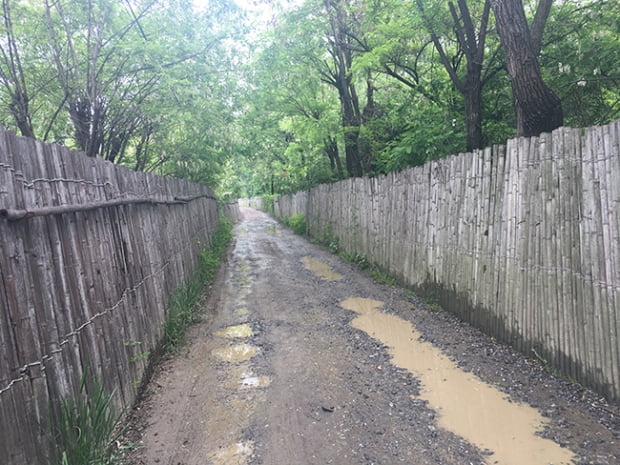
column 521, row 240
column 89, row 253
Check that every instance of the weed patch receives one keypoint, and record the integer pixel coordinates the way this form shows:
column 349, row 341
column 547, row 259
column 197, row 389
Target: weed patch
column 182, row 309
column 358, row 258
column 87, row 427
column 381, row 277
column 298, row 224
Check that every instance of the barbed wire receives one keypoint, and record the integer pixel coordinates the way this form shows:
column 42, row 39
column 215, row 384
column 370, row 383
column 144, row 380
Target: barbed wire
column 74, row 181
column 31, row 183
column 125, row 198
column 25, row 369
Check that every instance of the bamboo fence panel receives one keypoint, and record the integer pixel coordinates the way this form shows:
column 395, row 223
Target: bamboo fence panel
column 89, row 253
column 521, row 240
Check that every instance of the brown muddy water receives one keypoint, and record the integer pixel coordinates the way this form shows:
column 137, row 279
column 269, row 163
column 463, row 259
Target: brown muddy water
column 236, row 331
column 322, row 270
column 235, row 354
column 466, row 406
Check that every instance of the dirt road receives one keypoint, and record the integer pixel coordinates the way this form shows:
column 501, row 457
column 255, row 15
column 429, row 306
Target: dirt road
column 302, row 359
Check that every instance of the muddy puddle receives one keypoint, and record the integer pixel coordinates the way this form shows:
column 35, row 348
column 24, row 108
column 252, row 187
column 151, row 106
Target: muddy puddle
column 237, row 331
column 255, row 381
column 241, row 312
column 322, row 270
column 235, row 354
column 236, row 454
column 465, row 405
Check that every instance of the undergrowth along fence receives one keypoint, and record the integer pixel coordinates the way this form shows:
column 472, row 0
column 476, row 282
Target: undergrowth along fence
column 89, row 253
column 522, row 240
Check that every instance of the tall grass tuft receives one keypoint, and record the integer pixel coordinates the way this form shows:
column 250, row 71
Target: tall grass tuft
column 182, row 310
column 87, row 426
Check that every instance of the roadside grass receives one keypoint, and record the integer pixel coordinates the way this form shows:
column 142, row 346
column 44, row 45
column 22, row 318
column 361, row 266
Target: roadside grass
column 182, row 309
column 88, row 427
column 297, row 223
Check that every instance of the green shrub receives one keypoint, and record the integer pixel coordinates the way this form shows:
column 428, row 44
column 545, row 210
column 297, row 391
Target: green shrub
column 382, row 277
column 330, row 240
column 298, row 224
column 268, row 203
column 355, row 257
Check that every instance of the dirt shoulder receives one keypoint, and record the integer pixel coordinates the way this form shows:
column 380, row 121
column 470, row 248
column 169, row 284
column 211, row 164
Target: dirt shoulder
column 278, row 374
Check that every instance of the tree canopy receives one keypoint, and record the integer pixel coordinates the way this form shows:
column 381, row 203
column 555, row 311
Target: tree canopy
column 287, row 95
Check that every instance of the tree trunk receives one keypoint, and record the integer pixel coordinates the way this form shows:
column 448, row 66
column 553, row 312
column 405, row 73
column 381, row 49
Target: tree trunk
column 538, row 109
column 351, row 145
column 473, row 111
column 331, row 150
column 340, row 52
column 350, row 122
column 21, row 114
column 472, row 45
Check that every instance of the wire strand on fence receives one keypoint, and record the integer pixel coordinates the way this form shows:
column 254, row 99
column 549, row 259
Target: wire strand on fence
column 24, row 370
column 19, row 214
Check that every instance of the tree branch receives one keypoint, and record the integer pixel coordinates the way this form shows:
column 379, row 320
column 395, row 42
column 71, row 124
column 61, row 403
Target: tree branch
column 538, row 25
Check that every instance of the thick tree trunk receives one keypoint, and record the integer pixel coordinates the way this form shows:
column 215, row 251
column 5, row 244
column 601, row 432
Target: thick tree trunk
column 350, row 123
column 473, row 111
column 21, row 115
column 538, row 108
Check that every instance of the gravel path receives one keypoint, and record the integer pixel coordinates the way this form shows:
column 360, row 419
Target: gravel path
column 303, row 359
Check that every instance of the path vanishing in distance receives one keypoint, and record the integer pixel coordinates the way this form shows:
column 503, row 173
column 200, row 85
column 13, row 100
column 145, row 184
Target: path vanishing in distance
column 302, row 359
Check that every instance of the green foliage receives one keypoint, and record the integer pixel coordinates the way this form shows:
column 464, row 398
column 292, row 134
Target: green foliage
column 429, row 300
column 180, row 90
column 580, row 60
column 330, row 240
column 87, row 426
column 362, row 262
column 357, row 258
column 182, row 310
column 418, row 112
column 151, row 85
column 268, row 203
column 298, row 224
column 380, row 277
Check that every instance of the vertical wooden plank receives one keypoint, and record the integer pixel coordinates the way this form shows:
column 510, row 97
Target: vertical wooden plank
column 559, row 249
column 612, row 151
column 572, row 259
column 12, row 394
column 607, row 334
